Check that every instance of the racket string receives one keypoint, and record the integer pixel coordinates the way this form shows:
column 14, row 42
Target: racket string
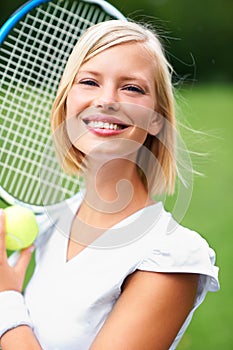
column 32, row 61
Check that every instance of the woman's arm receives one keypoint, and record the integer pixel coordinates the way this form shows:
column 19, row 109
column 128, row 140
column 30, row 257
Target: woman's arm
column 12, row 279
column 21, row 337
column 149, row 313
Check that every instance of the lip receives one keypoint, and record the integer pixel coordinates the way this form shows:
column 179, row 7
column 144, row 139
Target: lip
column 105, row 119
column 105, row 132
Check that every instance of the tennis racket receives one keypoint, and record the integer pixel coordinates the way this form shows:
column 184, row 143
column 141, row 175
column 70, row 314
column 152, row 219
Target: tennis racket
column 35, row 44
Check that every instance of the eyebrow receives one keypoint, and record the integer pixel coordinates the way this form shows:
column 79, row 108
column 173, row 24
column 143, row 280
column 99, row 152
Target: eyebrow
column 87, row 72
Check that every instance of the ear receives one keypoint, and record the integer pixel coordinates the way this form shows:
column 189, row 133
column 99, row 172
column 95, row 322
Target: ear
column 156, row 124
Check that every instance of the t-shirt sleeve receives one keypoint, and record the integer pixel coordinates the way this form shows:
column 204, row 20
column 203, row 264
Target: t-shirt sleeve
column 184, row 251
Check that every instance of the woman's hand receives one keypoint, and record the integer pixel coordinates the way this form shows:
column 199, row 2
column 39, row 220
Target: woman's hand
column 12, row 278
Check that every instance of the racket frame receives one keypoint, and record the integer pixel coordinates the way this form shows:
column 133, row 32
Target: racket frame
column 31, row 4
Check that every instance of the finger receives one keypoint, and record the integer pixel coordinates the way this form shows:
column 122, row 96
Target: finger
column 2, row 236
column 24, row 259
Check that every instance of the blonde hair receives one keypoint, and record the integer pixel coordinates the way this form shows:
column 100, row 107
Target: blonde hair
column 95, row 40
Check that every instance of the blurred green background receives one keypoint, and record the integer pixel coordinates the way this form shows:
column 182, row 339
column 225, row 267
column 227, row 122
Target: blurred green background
column 198, row 38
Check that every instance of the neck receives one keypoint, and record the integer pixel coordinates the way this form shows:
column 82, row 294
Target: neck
column 113, row 192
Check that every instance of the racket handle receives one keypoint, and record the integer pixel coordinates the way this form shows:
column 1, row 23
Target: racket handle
column 13, row 258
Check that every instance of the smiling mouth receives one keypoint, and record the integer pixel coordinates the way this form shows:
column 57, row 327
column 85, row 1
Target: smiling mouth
column 97, row 124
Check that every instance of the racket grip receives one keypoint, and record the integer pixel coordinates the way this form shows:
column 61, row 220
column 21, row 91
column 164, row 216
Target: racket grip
column 13, row 258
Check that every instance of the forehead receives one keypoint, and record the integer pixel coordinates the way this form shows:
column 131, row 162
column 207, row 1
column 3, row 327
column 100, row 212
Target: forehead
column 133, row 54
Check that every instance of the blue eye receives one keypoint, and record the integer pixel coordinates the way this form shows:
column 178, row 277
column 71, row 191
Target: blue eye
column 134, row 88
column 88, row 82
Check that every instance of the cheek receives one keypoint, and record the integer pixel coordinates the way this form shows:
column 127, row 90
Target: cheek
column 70, row 106
column 76, row 130
column 141, row 116
column 139, row 135
column 75, row 103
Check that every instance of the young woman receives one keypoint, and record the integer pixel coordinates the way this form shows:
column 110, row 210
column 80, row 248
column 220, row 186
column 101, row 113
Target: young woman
column 116, row 271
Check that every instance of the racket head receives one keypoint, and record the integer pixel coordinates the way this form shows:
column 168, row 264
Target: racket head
column 36, row 42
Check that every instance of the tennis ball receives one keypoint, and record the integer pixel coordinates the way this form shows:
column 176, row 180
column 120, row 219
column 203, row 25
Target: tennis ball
column 21, row 227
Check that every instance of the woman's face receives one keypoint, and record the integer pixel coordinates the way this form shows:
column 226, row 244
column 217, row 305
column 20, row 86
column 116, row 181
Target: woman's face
column 111, row 106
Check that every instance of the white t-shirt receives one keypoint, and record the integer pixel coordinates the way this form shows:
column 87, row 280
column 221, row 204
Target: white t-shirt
column 69, row 301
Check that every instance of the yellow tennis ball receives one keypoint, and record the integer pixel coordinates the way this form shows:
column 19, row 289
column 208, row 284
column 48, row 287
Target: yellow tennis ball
column 21, row 227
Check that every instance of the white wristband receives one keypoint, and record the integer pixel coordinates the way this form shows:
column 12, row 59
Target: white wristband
column 13, row 311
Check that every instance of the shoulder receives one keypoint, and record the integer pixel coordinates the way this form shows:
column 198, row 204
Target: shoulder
column 178, row 249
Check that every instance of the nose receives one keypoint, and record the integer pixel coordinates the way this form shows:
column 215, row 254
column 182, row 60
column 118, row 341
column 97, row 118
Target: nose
column 107, row 100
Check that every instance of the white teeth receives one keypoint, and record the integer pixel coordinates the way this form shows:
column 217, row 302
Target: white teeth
column 103, row 125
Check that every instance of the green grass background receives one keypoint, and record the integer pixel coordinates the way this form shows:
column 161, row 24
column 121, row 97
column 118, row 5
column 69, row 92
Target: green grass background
column 209, row 108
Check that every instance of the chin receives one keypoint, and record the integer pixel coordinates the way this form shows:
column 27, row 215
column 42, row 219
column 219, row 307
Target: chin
column 110, row 149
